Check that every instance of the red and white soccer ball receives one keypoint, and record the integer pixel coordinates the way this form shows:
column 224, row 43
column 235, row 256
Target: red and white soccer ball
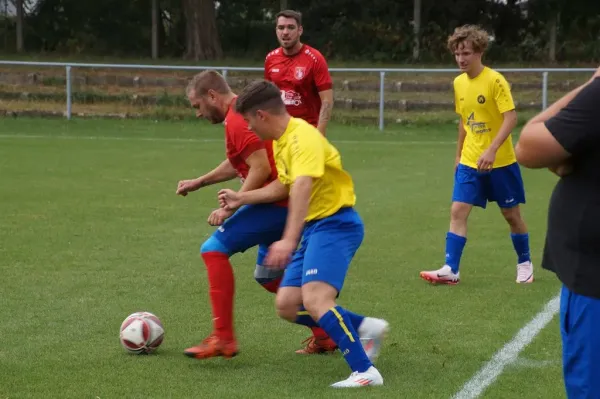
column 141, row 332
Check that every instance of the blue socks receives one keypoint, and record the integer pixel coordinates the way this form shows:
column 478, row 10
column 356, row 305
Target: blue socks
column 355, row 319
column 304, row 319
column 339, row 326
column 454, row 248
column 455, row 245
column 521, row 244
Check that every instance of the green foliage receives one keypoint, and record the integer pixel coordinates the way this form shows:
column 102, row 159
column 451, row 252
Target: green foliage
column 341, row 29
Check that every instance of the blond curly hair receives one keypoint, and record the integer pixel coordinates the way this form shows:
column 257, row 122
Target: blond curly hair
column 473, row 34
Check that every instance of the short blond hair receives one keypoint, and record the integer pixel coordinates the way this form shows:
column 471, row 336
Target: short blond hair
column 208, row 80
column 473, row 34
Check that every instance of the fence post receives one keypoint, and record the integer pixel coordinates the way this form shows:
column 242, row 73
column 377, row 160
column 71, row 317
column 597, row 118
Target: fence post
column 544, row 90
column 381, row 98
column 224, row 73
column 69, row 88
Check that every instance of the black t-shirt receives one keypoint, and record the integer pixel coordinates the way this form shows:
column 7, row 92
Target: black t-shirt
column 572, row 248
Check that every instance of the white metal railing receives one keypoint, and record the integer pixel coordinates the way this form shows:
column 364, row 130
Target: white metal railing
column 224, row 69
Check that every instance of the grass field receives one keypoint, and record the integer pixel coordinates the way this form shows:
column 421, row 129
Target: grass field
column 91, row 231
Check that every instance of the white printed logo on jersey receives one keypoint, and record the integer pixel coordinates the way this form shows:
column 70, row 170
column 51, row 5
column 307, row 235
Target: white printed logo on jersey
column 290, row 97
column 274, row 70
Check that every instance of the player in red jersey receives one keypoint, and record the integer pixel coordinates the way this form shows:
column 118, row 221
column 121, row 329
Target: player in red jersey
column 251, row 159
column 300, row 72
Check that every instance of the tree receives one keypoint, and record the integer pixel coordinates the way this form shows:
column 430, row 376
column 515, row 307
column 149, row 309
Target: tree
column 202, row 37
column 416, row 28
column 19, row 6
column 154, row 29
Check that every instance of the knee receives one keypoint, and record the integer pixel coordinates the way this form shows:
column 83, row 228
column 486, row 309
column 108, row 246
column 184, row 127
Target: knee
column 286, row 308
column 459, row 212
column 512, row 216
column 318, row 297
column 317, row 305
column 213, row 245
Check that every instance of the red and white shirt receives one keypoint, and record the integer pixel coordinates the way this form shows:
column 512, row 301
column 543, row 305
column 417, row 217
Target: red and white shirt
column 300, row 77
column 241, row 142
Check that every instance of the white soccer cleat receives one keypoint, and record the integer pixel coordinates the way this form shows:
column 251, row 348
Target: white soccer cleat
column 444, row 275
column 525, row 273
column 371, row 332
column 371, row 377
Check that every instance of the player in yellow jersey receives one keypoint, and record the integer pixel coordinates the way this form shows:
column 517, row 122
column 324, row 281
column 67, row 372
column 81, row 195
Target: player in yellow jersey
column 486, row 167
column 322, row 232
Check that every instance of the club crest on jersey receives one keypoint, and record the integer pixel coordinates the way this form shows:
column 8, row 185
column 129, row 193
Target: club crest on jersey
column 299, row 73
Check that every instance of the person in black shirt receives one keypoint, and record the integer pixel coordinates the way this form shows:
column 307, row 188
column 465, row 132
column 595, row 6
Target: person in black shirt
column 565, row 138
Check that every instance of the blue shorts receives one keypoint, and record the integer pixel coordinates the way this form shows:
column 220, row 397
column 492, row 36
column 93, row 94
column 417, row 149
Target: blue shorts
column 580, row 332
column 326, row 250
column 250, row 226
column 501, row 185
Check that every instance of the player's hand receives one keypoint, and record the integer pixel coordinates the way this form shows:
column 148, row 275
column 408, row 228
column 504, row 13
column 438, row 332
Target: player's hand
column 187, row 186
column 229, row 199
column 562, row 170
column 486, row 160
column 280, row 254
column 456, row 162
column 218, row 216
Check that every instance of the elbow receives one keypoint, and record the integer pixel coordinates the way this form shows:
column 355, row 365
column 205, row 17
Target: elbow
column 526, row 156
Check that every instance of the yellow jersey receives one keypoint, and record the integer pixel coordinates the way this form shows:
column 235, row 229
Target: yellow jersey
column 303, row 151
column 481, row 102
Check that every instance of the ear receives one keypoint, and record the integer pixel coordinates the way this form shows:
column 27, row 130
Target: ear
column 300, row 30
column 262, row 115
column 212, row 95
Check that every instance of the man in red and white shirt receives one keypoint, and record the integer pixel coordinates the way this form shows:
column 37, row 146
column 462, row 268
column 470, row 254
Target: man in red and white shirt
column 300, row 72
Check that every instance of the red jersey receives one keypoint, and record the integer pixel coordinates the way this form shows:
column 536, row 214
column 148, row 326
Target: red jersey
column 300, row 77
column 241, row 142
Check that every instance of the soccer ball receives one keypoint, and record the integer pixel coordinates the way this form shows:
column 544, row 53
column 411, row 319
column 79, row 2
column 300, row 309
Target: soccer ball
column 141, row 333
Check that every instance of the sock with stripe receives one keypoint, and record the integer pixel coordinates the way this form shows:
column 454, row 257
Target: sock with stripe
column 304, row 319
column 338, row 325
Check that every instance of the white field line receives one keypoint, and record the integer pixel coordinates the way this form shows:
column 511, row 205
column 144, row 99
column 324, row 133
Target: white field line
column 509, row 353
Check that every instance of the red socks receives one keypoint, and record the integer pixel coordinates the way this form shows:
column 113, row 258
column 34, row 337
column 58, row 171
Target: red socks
column 221, row 283
column 272, row 286
column 319, row 333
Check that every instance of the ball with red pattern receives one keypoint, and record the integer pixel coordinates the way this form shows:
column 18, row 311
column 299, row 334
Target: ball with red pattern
column 141, row 333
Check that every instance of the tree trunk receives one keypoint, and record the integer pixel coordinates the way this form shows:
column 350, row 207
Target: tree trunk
column 19, row 6
column 553, row 32
column 154, row 29
column 416, row 29
column 202, row 37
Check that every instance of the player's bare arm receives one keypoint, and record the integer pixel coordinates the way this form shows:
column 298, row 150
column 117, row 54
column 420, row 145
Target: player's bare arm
column 326, row 109
column 486, row 161
column 280, row 252
column 462, row 133
column 259, row 170
column 223, row 172
column 273, row 192
column 537, row 148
